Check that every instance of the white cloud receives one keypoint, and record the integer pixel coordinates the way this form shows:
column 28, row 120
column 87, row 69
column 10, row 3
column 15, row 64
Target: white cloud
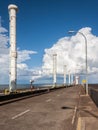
column 3, row 30
column 71, row 52
column 23, row 55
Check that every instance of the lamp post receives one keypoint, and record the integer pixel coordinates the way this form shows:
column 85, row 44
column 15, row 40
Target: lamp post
column 85, row 58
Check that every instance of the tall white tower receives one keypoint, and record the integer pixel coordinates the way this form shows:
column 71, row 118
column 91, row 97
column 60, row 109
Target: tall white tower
column 13, row 50
column 54, row 69
column 77, row 80
column 64, row 74
column 69, row 78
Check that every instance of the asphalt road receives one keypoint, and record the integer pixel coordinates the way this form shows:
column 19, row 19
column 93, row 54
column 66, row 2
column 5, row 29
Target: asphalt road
column 51, row 111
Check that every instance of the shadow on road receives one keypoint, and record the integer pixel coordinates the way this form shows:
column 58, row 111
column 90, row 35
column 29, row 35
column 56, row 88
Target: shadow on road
column 66, row 107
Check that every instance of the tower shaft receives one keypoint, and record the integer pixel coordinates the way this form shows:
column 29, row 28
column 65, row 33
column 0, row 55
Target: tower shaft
column 13, row 50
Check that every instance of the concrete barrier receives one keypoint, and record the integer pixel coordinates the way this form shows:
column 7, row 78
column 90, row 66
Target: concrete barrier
column 22, row 94
column 9, row 96
column 94, row 95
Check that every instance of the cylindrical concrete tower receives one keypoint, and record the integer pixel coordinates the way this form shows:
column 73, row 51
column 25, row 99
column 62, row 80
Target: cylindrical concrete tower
column 77, row 80
column 69, row 75
column 13, row 50
column 64, row 74
column 54, row 69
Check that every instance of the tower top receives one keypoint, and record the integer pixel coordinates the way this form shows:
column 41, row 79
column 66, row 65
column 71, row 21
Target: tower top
column 12, row 6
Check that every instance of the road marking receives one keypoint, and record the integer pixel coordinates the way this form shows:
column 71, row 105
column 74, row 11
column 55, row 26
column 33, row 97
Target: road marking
column 73, row 118
column 20, row 114
column 48, row 100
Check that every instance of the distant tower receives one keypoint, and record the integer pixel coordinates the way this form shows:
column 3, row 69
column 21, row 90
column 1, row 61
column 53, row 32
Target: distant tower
column 54, row 69
column 77, row 80
column 64, row 74
column 13, row 51
column 69, row 78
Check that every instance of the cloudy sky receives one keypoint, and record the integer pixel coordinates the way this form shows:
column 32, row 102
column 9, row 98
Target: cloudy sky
column 42, row 30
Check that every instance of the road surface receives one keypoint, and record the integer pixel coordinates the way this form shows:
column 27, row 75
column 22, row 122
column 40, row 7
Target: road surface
column 51, row 111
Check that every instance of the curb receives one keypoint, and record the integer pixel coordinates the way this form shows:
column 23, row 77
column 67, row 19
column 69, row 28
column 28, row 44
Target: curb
column 81, row 124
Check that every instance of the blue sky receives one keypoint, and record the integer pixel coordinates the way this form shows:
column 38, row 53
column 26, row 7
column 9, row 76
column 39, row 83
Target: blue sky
column 41, row 23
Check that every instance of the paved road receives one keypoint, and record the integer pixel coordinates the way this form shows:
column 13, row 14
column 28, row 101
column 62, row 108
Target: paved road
column 51, row 111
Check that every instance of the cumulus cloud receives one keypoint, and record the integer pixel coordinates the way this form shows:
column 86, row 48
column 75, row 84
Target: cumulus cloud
column 70, row 51
column 3, row 30
column 23, row 55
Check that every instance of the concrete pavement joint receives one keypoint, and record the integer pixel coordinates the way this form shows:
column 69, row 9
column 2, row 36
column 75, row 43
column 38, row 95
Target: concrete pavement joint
column 48, row 100
column 73, row 118
column 20, row 114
